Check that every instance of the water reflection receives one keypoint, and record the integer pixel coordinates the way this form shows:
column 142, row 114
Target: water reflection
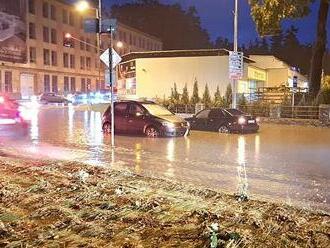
column 138, row 153
column 34, row 129
column 241, row 169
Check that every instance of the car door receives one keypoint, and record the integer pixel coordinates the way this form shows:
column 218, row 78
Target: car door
column 199, row 122
column 135, row 118
column 120, row 116
column 216, row 119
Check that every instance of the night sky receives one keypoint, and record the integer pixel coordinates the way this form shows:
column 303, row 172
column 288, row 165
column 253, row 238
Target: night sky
column 217, row 18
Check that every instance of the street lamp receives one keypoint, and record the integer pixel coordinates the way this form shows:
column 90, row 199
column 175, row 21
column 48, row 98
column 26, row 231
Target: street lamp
column 82, row 6
column 120, row 44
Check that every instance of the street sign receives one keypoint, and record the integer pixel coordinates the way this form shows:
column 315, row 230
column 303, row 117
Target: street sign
column 108, row 24
column 91, row 25
column 295, row 82
column 115, row 58
column 235, row 65
column 107, row 77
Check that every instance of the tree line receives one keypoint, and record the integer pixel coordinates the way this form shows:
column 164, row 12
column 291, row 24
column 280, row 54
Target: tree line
column 178, row 98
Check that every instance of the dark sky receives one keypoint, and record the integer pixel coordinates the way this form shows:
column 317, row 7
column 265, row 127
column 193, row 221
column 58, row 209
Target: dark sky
column 217, row 18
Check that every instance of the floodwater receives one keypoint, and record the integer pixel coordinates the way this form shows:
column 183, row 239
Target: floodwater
column 282, row 163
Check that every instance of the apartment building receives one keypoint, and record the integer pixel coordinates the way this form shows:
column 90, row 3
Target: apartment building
column 33, row 58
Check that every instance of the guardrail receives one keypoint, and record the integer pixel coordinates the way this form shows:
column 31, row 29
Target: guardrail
column 278, row 111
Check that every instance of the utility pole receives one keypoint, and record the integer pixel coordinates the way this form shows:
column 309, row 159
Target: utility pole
column 99, row 17
column 234, row 83
column 112, row 90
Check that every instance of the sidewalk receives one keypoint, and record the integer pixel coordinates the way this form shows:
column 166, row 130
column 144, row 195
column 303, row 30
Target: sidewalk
column 65, row 204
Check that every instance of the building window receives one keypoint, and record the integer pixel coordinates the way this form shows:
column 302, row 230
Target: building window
column 72, row 61
column 53, row 36
column 83, row 85
column 54, row 84
column 32, row 30
column 66, row 84
column 82, row 62
column 89, row 84
column 54, row 58
column 32, row 7
column 45, row 9
column 66, row 60
column 33, row 55
column 46, row 83
column 130, row 39
column 53, row 12
column 81, row 21
column 97, row 85
column 88, row 63
column 124, row 36
column 8, row 81
column 88, row 42
column 65, row 16
column 82, row 43
column 46, row 57
column 71, row 18
column 97, row 63
column 73, row 84
column 46, row 34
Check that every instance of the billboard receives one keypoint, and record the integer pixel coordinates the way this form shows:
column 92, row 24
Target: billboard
column 126, row 82
column 13, row 31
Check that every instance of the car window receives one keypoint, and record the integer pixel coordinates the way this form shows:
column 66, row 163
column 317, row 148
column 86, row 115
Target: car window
column 120, row 108
column 216, row 113
column 203, row 114
column 235, row 112
column 134, row 108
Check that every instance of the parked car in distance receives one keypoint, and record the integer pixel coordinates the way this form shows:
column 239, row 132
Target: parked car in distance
column 144, row 117
column 224, row 121
column 53, row 98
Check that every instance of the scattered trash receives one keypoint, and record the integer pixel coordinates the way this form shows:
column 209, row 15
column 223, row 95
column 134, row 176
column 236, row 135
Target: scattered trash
column 214, row 228
column 83, row 176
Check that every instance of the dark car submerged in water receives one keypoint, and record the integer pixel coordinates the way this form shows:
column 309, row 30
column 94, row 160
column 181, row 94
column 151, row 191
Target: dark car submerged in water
column 144, row 117
column 224, row 121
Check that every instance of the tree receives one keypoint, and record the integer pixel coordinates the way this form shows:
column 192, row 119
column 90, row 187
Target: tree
column 206, row 97
column 195, row 96
column 175, row 96
column 228, row 96
column 165, row 21
column 268, row 15
column 218, row 100
column 185, row 95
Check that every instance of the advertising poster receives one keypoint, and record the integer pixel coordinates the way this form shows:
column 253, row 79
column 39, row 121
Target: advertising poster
column 13, row 31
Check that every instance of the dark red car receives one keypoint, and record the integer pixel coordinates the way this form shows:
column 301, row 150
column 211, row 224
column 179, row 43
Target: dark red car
column 9, row 112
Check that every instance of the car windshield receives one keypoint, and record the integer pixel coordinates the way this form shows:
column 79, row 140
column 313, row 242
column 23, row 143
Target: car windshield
column 235, row 112
column 156, row 110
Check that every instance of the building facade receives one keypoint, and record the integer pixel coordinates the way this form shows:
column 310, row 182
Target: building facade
column 153, row 74
column 39, row 62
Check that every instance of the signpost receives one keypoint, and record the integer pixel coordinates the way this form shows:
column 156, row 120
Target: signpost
column 294, row 88
column 236, row 65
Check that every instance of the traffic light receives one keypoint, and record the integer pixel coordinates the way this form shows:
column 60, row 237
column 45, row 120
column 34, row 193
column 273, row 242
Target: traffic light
column 68, row 40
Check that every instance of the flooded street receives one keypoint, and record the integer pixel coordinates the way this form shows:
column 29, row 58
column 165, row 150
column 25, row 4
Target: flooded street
column 286, row 163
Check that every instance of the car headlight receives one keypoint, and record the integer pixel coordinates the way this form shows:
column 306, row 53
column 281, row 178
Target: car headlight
column 168, row 124
column 241, row 120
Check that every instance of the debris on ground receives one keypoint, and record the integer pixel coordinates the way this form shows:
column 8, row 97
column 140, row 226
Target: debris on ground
column 67, row 204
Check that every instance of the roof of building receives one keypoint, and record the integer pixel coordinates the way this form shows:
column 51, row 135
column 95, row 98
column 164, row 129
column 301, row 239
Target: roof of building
column 179, row 53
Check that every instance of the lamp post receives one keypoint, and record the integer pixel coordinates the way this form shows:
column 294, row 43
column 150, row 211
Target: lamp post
column 234, row 84
column 82, row 6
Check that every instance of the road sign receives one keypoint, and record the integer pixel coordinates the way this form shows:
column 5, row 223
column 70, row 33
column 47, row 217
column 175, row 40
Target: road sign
column 91, row 25
column 235, row 65
column 108, row 24
column 107, row 77
column 115, row 58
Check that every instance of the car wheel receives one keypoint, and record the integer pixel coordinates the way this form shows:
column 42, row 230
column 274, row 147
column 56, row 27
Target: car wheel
column 107, row 128
column 223, row 129
column 152, row 132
